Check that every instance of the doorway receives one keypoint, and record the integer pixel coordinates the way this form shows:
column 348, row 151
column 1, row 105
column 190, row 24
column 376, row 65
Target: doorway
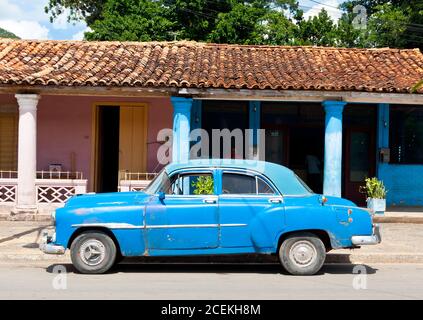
column 359, row 150
column 121, row 144
column 294, row 134
column 108, row 148
column 225, row 115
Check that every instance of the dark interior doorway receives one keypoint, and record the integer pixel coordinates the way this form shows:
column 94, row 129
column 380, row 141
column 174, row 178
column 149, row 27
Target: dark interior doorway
column 225, row 115
column 359, row 160
column 295, row 138
column 108, row 149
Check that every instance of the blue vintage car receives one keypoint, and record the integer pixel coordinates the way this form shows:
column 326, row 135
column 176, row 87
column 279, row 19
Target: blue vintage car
column 207, row 208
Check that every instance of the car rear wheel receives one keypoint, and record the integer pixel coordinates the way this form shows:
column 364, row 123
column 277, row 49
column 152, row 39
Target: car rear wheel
column 302, row 254
column 93, row 252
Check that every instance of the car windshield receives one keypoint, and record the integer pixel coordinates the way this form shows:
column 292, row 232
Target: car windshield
column 160, row 183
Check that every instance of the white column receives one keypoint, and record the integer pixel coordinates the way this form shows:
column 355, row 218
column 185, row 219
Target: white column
column 27, row 153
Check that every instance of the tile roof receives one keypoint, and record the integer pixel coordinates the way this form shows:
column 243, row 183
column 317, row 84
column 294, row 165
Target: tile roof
column 200, row 65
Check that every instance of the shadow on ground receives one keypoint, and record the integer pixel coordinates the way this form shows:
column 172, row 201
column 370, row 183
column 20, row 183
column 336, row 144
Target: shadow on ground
column 131, row 266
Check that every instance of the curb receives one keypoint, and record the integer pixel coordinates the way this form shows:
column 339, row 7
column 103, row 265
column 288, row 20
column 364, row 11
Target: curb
column 25, row 217
column 416, row 219
column 47, row 218
column 398, row 219
column 374, row 258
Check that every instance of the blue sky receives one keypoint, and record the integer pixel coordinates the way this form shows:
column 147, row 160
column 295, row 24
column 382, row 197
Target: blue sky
column 27, row 19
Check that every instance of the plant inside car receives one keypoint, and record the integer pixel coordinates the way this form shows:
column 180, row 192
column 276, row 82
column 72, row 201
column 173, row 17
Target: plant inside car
column 376, row 194
column 203, row 185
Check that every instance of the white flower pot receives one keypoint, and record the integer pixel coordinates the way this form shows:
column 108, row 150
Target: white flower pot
column 376, row 205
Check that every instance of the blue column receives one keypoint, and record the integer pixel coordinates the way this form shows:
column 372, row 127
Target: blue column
column 383, row 125
column 332, row 184
column 382, row 134
column 181, row 128
column 254, row 119
column 254, row 124
column 196, row 114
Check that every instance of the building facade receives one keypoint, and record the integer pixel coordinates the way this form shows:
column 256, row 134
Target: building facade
column 80, row 117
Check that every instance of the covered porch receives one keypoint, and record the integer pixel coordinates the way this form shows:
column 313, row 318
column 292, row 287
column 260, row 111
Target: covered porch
column 53, row 147
column 353, row 136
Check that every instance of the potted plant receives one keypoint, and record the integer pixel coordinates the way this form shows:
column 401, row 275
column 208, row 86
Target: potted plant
column 203, row 185
column 376, row 195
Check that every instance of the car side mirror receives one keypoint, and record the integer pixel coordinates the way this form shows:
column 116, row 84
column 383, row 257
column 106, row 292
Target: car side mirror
column 161, row 195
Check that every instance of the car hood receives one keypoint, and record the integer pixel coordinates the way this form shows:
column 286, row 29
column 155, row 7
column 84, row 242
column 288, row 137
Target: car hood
column 107, row 199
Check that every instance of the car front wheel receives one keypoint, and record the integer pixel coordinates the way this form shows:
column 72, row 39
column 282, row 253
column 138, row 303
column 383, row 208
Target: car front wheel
column 93, row 252
column 302, row 254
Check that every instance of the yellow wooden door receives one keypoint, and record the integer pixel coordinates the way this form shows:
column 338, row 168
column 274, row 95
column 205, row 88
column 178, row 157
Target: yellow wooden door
column 132, row 139
column 8, row 141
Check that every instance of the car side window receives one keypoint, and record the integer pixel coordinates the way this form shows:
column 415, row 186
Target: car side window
column 263, row 187
column 191, row 184
column 235, row 183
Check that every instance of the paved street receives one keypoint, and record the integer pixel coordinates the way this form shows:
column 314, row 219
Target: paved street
column 158, row 281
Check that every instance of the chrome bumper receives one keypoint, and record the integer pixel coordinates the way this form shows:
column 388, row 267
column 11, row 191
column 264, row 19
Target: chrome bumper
column 375, row 238
column 47, row 245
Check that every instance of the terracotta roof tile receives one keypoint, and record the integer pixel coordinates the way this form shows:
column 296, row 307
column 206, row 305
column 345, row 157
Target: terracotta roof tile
column 192, row 64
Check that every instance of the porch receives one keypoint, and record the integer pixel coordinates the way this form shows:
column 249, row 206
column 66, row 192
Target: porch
column 54, row 147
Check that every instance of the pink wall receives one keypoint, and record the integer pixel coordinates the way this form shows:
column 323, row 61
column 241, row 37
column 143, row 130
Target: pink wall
column 65, row 128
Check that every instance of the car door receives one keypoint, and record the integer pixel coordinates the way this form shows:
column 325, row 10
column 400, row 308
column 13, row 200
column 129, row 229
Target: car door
column 187, row 217
column 246, row 201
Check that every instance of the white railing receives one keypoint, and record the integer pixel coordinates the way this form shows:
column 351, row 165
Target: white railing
column 8, row 187
column 59, row 190
column 134, row 181
column 68, row 175
column 8, row 174
column 51, row 187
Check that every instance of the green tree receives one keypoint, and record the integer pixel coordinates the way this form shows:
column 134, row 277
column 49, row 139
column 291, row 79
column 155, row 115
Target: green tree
column 393, row 23
column 193, row 19
column 387, row 26
column 257, row 22
column 241, row 24
column 88, row 10
column 231, row 21
column 319, row 30
column 132, row 20
column 349, row 36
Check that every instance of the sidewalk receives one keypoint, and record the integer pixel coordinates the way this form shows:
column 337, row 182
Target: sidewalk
column 401, row 215
column 402, row 243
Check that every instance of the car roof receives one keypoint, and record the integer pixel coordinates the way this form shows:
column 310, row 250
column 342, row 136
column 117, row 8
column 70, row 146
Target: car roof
column 254, row 165
column 284, row 178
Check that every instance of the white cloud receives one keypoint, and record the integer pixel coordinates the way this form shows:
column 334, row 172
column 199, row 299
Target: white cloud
column 329, row 5
column 80, row 35
column 31, row 10
column 24, row 18
column 25, row 29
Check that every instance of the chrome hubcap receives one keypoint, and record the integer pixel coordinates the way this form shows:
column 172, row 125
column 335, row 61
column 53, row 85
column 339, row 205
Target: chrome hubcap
column 303, row 253
column 92, row 252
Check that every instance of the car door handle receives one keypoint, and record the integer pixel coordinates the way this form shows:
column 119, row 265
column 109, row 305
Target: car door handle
column 275, row 200
column 210, row 200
